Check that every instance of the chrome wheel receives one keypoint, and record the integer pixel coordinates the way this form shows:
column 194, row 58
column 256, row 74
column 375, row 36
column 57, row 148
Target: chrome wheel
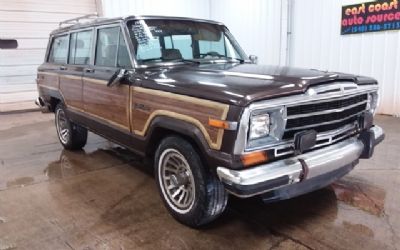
column 62, row 126
column 176, row 179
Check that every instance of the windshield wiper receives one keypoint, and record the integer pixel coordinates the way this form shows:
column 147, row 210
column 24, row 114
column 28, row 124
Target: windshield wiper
column 237, row 59
column 150, row 59
column 161, row 60
column 186, row 60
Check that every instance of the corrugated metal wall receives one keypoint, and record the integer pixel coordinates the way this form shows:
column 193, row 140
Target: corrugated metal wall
column 317, row 43
column 30, row 22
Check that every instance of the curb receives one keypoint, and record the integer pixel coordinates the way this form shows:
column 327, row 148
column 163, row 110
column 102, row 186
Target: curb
column 20, row 111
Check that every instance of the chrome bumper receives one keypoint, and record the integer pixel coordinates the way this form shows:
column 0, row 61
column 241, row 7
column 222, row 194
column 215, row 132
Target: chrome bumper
column 271, row 176
column 378, row 134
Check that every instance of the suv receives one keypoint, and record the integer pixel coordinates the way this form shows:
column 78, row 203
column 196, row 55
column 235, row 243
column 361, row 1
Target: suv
column 183, row 93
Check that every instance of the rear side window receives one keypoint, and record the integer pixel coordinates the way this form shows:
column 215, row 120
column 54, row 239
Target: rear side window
column 80, row 48
column 59, row 50
column 111, row 50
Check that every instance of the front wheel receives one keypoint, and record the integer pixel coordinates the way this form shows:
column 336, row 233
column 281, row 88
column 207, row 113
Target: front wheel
column 72, row 136
column 192, row 195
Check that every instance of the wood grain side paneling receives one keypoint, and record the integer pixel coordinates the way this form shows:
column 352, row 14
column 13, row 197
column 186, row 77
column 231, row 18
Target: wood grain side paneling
column 71, row 88
column 107, row 103
column 47, row 79
column 148, row 104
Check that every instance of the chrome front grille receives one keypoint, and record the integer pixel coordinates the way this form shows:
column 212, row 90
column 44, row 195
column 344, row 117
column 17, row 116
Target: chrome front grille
column 324, row 116
column 333, row 110
column 326, row 106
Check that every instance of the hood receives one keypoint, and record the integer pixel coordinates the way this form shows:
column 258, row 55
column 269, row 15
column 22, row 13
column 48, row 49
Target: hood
column 240, row 84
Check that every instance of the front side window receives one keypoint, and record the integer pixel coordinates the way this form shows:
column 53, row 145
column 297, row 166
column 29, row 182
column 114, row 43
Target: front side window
column 107, row 45
column 80, row 47
column 158, row 41
column 123, row 60
column 59, row 50
column 111, row 50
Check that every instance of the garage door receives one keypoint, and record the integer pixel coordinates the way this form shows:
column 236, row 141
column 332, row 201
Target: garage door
column 30, row 22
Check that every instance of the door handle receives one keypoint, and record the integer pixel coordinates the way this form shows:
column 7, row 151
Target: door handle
column 89, row 70
column 63, row 68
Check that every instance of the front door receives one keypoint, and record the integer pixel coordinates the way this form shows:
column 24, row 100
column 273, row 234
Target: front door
column 109, row 105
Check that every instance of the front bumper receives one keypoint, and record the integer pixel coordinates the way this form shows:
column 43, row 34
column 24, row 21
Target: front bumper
column 302, row 168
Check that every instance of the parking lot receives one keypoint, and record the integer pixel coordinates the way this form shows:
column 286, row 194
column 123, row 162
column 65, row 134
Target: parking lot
column 105, row 198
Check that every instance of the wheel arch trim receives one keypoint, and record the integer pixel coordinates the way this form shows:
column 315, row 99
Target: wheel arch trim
column 154, row 121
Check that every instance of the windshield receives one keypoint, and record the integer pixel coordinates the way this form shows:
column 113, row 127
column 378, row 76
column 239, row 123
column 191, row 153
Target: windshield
column 159, row 41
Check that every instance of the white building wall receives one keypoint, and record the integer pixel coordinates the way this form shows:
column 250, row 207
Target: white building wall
column 256, row 24
column 183, row 8
column 317, row 43
column 29, row 22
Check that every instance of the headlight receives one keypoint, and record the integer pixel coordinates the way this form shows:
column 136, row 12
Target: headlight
column 259, row 126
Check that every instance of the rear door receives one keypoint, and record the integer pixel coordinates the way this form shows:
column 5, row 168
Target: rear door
column 80, row 51
column 56, row 61
column 110, row 105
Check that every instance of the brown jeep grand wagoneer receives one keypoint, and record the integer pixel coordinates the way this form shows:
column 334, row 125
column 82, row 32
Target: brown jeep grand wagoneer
column 182, row 92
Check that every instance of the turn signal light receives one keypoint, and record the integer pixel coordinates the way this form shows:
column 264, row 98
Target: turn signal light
column 218, row 124
column 254, row 158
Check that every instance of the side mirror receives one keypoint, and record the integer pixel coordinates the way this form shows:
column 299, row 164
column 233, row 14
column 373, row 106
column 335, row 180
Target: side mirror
column 8, row 44
column 118, row 76
column 253, row 59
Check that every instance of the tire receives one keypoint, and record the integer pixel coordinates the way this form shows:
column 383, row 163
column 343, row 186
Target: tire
column 72, row 136
column 202, row 197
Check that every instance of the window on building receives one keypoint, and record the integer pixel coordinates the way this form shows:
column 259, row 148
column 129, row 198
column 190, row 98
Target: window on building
column 8, row 44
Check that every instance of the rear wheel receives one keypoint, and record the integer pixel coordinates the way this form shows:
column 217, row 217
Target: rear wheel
column 192, row 195
column 72, row 136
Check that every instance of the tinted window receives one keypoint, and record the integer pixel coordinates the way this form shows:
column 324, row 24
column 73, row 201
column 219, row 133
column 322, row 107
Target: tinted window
column 111, row 49
column 216, row 46
column 80, row 48
column 107, row 45
column 123, row 55
column 59, row 50
column 149, row 49
column 181, row 42
column 158, row 41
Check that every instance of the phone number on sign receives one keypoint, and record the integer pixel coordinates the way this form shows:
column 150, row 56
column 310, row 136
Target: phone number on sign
column 373, row 27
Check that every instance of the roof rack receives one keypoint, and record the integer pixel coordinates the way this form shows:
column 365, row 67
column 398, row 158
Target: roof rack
column 77, row 20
